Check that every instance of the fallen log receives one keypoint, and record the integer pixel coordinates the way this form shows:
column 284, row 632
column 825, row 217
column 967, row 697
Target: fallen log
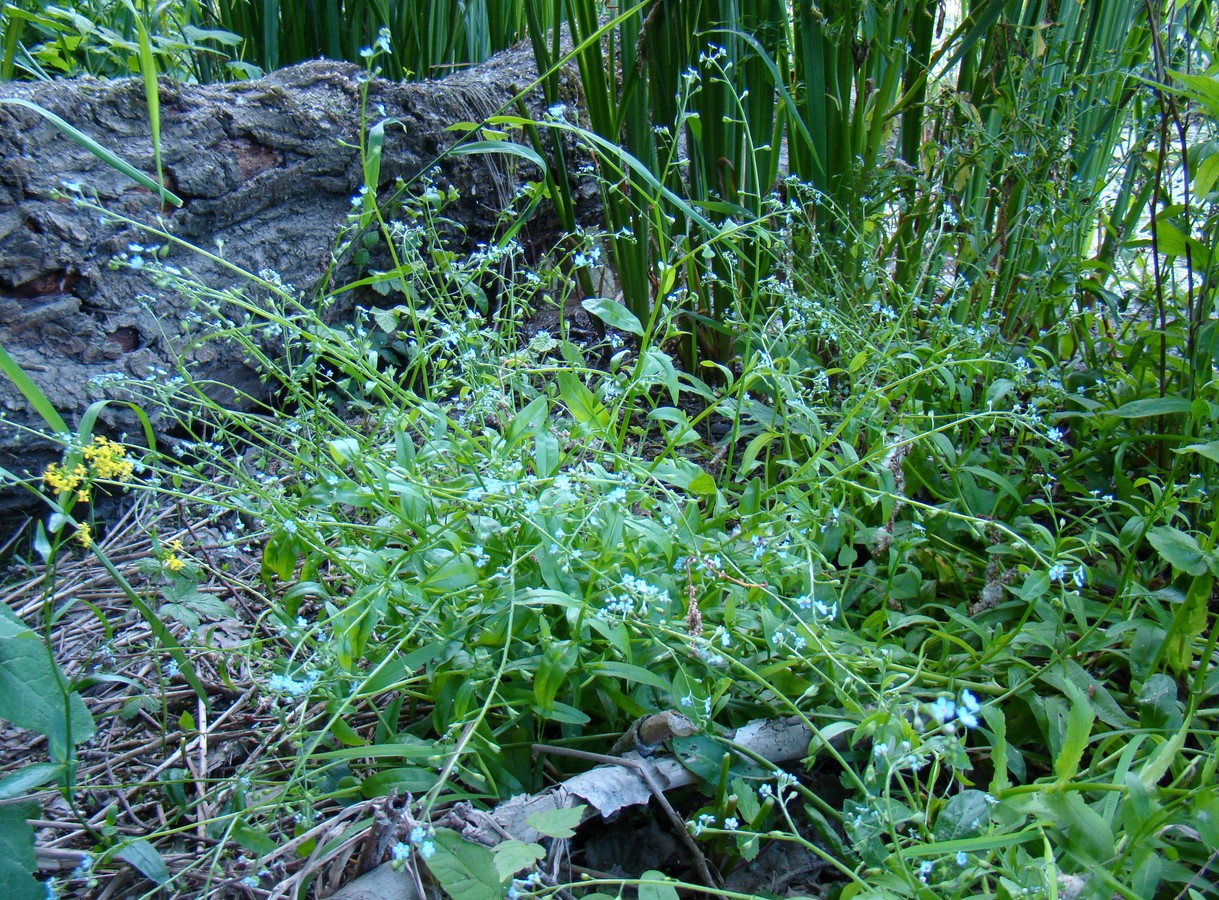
column 267, row 170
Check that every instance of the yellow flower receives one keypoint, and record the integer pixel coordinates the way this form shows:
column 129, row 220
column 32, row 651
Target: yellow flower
column 174, row 546
column 63, row 480
column 108, row 459
column 84, row 535
column 174, row 563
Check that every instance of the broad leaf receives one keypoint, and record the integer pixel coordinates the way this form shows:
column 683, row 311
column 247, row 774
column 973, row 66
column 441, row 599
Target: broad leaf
column 581, row 402
column 512, row 856
column 33, row 692
column 1178, row 549
column 1210, row 449
column 964, row 815
column 655, row 885
column 1156, row 406
column 557, row 823
column 614, row 314
column 144, row 856
column 466, row 871
column 27, row 778
column 17, row 853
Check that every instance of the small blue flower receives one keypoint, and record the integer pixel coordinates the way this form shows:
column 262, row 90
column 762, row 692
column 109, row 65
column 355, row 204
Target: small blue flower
column 968, row 709
column 944, row 710
column 962, row 858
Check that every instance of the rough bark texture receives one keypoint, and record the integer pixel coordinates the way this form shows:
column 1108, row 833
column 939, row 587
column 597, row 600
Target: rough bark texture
column 267, row 170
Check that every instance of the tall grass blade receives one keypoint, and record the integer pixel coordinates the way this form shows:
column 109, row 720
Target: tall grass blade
column 98, row 150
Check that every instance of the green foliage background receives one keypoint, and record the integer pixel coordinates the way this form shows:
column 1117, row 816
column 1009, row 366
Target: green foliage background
column 904, row 425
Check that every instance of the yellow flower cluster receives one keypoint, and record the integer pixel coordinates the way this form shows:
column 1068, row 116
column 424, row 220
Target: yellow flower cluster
column 106, row 459
column 169, row 555
column 63, row 480
column 84, row 535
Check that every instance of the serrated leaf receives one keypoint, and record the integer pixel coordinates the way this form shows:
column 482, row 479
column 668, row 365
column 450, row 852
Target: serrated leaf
column 1178, row 549
column 614, row 314
column 557, row 823
column 466, row 871
column 1075, row 740
column 144, row 856
column 386, row 319
column 512, row 856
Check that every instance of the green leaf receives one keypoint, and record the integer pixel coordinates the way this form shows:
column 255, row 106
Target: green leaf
column 1206, row 175
column 27, row 778
column 1155, row 406
column 1079, row 727
column 1155, row 767
column 1086, row 831
column 749, row 459
column 964, row 815
column 449, row 572
column 32, row 392
column 254, row 839
column 581, row 402
column 35, row 695
column 681, row 434
column 655, row 885
column 551, row 673
column 279, row 555
column 405, row 780
column 512, row 856
column 1159, row 708
column 637, row 674
column 466, row 871
column 144, row 856
column 658, row 367
column 557, row 823
column 1178, row 549
column 98, row 150
column 1203, row 87
column 614, row 314
column 17, row 860
column 684, row 474
column 527, row 422
column 1210, row 450
column 506, row 147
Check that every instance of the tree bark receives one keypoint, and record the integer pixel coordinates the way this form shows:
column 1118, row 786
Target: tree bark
column 267, row 170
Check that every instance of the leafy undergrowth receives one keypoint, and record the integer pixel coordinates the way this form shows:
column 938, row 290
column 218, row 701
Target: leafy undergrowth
column 445, row 544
